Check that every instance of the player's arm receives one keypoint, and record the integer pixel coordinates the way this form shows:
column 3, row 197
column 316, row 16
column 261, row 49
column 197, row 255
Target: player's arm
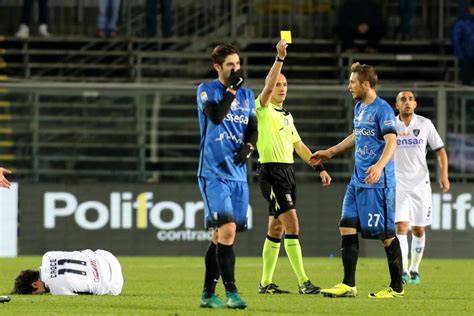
column 374, row 172
column 305, row 154
column 4, row 183
column 443, row 165
column 250, row 140
column 216, row 111
column 346, row 144
column 272, row 77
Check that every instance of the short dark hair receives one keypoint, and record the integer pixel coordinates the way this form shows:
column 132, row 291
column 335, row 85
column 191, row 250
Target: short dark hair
column 24, row 280
column 221, row 51
column 366, row 73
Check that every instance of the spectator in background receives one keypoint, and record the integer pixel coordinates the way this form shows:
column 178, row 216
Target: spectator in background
column 4, row 183
column 407, row 10
column 361, row 19
column 107, row 18
column 166, row 18
column 463, row 44
column 24, row 29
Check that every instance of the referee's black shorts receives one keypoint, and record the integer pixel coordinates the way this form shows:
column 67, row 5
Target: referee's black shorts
column 278, row 186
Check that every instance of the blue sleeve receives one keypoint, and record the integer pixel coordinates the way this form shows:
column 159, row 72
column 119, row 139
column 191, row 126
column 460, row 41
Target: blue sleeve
column 253, row 111
column 386, row 120
column 204, row 94
column 457, row 36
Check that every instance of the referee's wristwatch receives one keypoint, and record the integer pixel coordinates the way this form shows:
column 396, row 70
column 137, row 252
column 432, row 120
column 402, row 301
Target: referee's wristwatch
column 277, row 58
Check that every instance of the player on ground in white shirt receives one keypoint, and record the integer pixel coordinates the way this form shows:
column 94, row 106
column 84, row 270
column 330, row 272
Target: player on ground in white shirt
column 72, row 273
column 413, row 195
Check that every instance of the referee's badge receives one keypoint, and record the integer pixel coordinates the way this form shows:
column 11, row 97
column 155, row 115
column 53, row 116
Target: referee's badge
column 288, row 198
column 286, row 122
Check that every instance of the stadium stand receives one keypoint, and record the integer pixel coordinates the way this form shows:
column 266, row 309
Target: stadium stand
column 59, row 121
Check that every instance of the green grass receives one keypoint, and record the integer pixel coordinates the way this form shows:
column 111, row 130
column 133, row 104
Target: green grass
column 172, row 286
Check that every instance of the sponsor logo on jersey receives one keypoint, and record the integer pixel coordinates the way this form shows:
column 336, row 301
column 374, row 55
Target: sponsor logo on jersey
column 239, row 119
column 364, row 151
column 364, row 132
column 230, row 136
column 409, row 141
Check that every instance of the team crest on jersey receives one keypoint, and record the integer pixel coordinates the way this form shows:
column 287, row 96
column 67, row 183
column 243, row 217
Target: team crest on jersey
column 416, row 132
column 204, row 96
column 235, row 105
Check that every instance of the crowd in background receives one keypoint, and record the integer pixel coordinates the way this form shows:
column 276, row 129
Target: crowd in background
column 366, row 24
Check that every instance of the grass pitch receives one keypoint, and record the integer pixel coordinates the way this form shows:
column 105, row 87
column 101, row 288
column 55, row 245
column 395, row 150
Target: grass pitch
column 173, row 285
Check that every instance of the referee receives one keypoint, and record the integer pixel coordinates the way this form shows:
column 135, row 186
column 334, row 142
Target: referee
column 277, row 139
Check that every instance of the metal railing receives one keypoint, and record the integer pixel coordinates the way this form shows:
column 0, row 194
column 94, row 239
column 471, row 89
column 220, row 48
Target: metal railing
column 149, row 132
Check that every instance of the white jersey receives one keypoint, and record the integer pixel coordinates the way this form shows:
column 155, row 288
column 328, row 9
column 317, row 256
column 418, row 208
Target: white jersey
column 81, row 272
column 411, row 168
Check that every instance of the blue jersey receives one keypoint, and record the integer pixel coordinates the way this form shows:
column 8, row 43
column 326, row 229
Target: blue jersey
column 220, row 142
column 371, row 123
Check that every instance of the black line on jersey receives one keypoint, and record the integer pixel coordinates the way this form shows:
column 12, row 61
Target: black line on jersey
column 385, row 211
column 73, row 271
column 203, row 141
column 83, row 293
column 283, row 110
column 63, row 261
column 204, row 190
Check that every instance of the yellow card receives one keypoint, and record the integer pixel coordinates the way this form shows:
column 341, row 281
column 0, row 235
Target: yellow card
column 286, row 35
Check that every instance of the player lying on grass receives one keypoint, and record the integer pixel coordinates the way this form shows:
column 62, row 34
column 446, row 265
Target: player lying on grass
column 72, row 273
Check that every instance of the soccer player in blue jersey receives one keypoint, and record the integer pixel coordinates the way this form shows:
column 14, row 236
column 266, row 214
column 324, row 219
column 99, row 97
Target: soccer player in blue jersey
column 228, row 133
column 368, row 205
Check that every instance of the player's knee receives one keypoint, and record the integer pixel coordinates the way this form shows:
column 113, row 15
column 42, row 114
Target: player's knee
column 402, row 228
column 276, row 229
column 418, row 231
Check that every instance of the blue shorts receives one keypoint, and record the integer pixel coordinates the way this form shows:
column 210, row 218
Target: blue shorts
column 370, row 210
column 225, row 201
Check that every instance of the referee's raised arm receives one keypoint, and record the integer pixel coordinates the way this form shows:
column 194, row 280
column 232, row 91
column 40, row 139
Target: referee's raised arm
column 272, row 77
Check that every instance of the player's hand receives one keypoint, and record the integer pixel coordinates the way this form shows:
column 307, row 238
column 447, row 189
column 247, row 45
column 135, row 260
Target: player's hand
column 325, row 178
column 236, row 79
column 281, row 49
column 444, row 184
column 373, row 174
column 243, row 154
column 320, row 155
column 4, row 183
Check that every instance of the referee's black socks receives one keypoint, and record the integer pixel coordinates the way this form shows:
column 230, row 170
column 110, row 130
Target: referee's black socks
column 350, row 255
column 211, row 276
column 226, row 262
column 394, row 257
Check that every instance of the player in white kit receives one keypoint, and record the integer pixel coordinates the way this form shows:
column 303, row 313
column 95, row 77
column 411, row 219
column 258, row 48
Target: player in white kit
column 413, row 196
column 72, row 273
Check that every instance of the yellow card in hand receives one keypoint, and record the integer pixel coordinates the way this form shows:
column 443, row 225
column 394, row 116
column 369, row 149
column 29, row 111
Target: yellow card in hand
column 286, row 35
